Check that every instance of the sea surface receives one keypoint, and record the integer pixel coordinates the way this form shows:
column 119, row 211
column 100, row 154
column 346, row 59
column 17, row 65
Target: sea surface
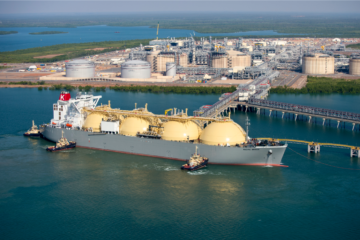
column 98, row 33
column 88, row 194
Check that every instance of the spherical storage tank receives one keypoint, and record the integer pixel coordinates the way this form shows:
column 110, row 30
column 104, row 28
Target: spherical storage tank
column 354, row 66
column 226, row 132
column 318, row 64
column 170, row 69
column 93, row 121
column 132, row 125
column 180, row 131
column 136, row 69
column 80, row 69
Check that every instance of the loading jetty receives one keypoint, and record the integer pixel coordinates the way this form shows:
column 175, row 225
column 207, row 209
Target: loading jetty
column 251, row 98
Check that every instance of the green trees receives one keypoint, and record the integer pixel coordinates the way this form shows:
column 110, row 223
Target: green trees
column 323, row 85
column 174, row 89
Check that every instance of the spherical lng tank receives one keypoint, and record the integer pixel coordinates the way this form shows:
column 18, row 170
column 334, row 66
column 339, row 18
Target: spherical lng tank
column 132, row 125
column 318, row 64
column 136, row 69
column 180, row 131
column 170, row 69
column 93, row 121
column 354, row 66
column 80, row 69
column 223, row 132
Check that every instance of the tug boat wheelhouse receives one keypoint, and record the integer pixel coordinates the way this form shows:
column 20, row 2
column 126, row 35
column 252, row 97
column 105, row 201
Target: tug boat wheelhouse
column 34, row 131
column 62, row 144
column 195, row 162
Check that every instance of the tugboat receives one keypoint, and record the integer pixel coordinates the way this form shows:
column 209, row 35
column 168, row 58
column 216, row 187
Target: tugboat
column 195, row 162
column 33, row 131
column 62, row 144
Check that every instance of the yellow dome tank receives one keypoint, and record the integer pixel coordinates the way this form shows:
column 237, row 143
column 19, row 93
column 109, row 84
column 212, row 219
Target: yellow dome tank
column 179, row 131
column 93, row 121
column 132, row 125
column 223, row 133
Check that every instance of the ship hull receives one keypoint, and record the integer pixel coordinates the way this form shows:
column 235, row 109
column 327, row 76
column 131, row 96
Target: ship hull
column 158, row 148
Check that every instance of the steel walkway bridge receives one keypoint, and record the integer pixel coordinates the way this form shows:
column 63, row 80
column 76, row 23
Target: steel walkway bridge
column 325, row 114
column 315, row 146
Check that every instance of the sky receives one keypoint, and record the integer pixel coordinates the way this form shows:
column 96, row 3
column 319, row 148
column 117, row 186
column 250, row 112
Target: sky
column 119, row 6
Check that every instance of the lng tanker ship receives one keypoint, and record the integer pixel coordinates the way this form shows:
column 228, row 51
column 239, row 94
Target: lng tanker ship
column 172, row 136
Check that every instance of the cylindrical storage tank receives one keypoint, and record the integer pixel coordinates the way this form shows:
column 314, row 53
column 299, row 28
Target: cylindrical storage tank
column 354, row 66
column 219, row 62
column 180, row 131
column 222, row 133
column 93, row 120
column 133, row 125
column 80, row 69
column 136, row 69
column 170, row 69
column 318, row 64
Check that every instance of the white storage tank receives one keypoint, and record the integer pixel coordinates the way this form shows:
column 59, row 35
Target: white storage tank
column 318, row 64
column 354, row 66
column 136, row 69
column 170, row 69
column 80, row 69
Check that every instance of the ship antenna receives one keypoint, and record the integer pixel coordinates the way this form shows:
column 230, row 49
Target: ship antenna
column 196, row 150
column 247, row 128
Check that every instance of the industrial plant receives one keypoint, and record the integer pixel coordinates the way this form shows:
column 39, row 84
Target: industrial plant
column 209, row 60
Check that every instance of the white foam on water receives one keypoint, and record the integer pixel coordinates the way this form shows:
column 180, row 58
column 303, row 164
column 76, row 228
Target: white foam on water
column 171, row 169
column 268, row 166
column 200, row 172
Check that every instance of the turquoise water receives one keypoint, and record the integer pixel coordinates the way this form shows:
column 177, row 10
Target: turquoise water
column 91, row 194
column 23, row 39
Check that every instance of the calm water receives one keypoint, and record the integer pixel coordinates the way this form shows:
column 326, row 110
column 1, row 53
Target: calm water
column 91, row 194
column 23, row 39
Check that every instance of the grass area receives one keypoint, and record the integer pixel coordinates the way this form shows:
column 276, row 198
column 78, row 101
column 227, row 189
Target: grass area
column 4, row 67
column 69, row 51
column 310, row 24
column 323, row 85
column 354, row 46
column 47, row 32
column 7, row 32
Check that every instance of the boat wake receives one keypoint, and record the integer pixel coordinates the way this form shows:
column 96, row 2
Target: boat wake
column 199, row 172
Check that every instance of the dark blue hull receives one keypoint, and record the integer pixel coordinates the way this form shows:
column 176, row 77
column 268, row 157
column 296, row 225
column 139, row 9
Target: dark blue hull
column 32, row 134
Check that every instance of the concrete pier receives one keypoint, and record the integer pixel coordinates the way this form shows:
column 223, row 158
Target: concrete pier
column 314, row 147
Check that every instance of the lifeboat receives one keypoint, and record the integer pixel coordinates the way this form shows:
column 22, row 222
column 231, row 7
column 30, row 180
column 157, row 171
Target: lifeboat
column 69, row 125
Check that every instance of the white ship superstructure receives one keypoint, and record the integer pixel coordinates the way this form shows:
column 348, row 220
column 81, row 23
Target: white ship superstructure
column 67, row 112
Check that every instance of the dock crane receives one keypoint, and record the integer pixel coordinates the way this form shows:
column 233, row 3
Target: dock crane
column 157, row 32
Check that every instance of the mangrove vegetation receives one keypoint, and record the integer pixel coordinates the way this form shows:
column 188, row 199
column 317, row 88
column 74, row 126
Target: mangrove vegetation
column 323, row 85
